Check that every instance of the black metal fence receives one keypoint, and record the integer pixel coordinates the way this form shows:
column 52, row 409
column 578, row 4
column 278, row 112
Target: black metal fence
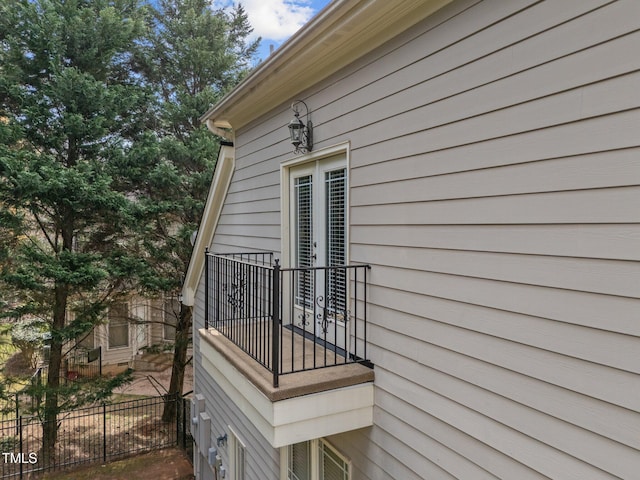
column 288, row 319
column 26, row 399
column 95, row 434
column 183, row 425
column 79, row 364
column 82, row 363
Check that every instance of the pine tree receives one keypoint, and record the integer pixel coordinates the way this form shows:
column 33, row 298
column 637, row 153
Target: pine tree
column 71, row 107
column 196, row 55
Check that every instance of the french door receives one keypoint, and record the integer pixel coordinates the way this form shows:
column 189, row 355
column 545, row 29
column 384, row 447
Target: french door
column 318, row 211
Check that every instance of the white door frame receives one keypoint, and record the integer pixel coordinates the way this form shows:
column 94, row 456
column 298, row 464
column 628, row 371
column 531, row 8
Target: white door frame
column 285, row 197
column 338, row 157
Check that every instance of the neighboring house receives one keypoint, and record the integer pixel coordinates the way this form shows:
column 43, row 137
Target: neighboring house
column 130, row 327
column 482, row 157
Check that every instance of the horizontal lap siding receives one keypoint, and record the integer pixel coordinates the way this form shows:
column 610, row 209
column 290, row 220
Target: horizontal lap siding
column 497, row 202
column 495, row 190
column 262, row 461
column 250, row 217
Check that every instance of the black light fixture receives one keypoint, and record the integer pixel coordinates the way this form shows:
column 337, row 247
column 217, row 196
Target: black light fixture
column 301, row 134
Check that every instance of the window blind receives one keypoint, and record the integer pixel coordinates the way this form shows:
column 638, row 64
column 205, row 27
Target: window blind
column 300, row 461
column 336, row 215
column 304, row 238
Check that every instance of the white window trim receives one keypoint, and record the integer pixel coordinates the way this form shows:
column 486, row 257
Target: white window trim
column 315, row 459
column 234, row 442
column 285, row 194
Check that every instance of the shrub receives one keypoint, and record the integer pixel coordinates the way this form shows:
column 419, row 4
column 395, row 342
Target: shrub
column 27, row 337
column 158, row 348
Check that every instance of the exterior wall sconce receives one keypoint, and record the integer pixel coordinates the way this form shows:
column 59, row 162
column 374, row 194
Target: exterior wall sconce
column 301, row 134
column 221, row 441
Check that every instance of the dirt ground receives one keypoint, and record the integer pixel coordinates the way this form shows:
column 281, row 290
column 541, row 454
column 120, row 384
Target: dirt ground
column 153, row 383
column 168, row 464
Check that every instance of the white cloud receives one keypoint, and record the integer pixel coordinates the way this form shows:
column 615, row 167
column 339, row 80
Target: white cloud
column 274, row 19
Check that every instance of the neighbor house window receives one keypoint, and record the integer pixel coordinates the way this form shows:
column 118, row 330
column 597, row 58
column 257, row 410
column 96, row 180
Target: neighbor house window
column 118, row 325
column 316, row 460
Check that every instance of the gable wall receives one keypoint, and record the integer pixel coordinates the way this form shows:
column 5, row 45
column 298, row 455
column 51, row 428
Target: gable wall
column 494, row 189
column 262, row 461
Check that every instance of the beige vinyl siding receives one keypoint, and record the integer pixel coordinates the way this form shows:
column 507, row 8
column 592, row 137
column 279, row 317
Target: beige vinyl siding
column 156, row 315
column 253, row 224
column 614, row 241
column 495, row 190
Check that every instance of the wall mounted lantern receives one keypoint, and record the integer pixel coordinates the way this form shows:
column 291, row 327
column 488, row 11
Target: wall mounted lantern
column 301, row 134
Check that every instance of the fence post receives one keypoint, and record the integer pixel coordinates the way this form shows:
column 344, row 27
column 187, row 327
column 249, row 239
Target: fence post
column 206, row 288
column 275, row 323
column 104, row 432
column 175, row 399
column 21, row 446
column 184, row 423
column 17, row 413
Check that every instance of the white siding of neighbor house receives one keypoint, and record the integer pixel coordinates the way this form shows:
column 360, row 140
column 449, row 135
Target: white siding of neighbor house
column 495, row 190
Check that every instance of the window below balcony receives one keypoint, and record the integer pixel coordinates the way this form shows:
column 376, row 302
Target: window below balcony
column 237, row 456
column 316, row 460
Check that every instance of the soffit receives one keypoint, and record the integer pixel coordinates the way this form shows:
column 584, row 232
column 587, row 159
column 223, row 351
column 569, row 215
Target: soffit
column 340, row 34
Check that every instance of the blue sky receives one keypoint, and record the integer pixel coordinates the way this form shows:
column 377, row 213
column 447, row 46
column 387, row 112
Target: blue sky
column 276, row 20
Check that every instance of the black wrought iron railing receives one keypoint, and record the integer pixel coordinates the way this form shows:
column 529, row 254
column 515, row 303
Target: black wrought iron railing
column 288, row 319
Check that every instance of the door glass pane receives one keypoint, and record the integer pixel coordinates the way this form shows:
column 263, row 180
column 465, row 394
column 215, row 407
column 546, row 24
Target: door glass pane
column 300, row 461
column 335, row 196
column 304, row 239
column 332, row 467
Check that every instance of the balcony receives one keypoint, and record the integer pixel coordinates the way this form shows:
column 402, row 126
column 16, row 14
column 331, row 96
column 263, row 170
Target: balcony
column 289, row 344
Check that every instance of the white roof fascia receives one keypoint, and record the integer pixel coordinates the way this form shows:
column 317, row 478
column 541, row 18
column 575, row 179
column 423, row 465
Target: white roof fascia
column 341, row 33
column 215, row 200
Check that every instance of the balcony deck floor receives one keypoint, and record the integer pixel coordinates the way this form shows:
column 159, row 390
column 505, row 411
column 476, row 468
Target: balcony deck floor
column 297, row 353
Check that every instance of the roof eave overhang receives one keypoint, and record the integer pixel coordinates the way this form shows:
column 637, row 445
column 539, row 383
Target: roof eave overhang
column 340, row 34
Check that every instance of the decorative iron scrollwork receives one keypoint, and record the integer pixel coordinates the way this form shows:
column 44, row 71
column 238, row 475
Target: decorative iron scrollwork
column 236, row 289
column 329, row 312
column 303, row 319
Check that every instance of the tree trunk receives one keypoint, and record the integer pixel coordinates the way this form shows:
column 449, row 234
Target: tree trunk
column 61, row 291
column 50, row 419
column 183, row 327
